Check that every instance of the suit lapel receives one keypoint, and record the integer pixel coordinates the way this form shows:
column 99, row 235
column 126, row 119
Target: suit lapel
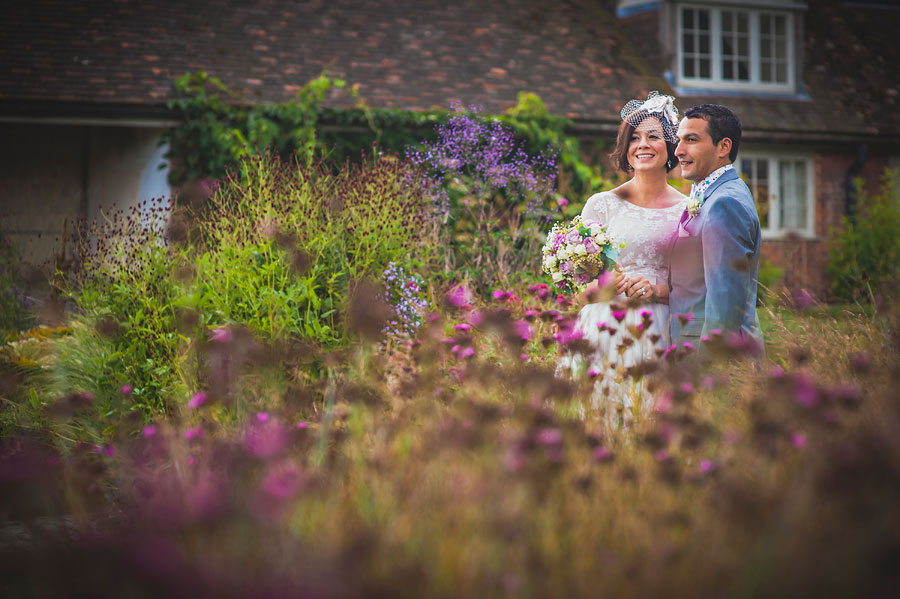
column 728, row 175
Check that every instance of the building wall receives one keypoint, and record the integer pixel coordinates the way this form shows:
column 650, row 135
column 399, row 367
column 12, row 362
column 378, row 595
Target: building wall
column 804, row 260
column 55, row 173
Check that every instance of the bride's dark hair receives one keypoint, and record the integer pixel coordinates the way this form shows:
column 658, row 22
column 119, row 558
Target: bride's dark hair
column 619, row 157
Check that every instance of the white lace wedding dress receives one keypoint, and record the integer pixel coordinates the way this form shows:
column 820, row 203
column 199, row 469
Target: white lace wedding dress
column 647, row 233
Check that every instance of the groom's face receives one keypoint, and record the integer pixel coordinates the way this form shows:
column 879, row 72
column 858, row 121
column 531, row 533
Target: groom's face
column 696, row 152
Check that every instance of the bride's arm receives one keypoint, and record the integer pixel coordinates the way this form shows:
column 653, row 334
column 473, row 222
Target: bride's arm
column 619, row 281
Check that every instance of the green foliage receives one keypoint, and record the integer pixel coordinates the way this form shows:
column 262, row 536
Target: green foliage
column 769, row 277
column 219, row 128
column 864, row 257
column 275, row 251
column 127, row 328
column 14, row 315
column 217, row 132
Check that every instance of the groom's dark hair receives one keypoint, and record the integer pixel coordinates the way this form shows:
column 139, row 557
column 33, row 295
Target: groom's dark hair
column 721, row 123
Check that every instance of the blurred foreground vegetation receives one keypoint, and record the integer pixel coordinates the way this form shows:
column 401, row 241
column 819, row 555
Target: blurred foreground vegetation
column 343, row 382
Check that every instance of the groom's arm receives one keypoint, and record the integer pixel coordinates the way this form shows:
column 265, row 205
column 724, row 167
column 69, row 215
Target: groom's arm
column 727, row 259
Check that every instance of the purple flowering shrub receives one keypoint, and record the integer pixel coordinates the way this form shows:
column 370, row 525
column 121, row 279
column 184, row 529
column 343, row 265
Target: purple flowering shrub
column 405, row 295
column 489, row 194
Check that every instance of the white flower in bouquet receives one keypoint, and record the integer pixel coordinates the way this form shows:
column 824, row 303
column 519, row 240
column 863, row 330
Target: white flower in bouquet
column 578, row 252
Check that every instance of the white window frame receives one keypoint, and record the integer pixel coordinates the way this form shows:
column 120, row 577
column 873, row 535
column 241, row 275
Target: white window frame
column 715, row 80
column 774, row 230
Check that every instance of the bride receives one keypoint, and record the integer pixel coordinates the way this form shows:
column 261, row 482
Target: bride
column 644, row 213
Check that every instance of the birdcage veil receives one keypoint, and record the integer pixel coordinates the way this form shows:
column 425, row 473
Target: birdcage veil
column 660, row 106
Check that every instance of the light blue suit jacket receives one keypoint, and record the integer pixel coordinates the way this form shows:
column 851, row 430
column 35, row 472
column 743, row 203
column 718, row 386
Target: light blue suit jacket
column 713, row 264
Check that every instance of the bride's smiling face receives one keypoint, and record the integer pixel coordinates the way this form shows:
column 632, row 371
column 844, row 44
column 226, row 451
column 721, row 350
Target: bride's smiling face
column 647, row 148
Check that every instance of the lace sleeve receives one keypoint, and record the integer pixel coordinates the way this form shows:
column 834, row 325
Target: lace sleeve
column 596, row 208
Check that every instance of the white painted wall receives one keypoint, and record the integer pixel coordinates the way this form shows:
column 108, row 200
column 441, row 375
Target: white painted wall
column 50, row 173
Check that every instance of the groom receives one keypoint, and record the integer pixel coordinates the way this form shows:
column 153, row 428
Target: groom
column 715, row 255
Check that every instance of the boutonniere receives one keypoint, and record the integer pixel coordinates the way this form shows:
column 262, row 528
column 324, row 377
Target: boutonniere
column 693, row 205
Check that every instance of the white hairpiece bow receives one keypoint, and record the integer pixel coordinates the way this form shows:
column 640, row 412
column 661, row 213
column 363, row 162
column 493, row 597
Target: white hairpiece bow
column 636, row 111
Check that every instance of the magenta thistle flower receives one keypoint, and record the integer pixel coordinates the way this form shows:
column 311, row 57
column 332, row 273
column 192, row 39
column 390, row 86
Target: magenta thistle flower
column 462, row 327
column 549, row 436
column 126, row 389
column 500, row 295
column 467, row 352
column 602, row 454
column 221, row 335
column 193, row 433
column 459, row 296
column 707, row 465
column 663, row 403
column 805, row 392
column 302, row 425
column 150, row 431
column 798, row 440
column 265, row 437
column 523, row 330
column 197, row 400
column 619, row 315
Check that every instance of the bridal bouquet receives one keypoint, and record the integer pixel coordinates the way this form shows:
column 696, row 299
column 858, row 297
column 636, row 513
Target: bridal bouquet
column 578, row 252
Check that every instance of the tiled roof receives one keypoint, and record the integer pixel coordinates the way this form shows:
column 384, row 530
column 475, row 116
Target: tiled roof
column 417, row 54
column 403, row 53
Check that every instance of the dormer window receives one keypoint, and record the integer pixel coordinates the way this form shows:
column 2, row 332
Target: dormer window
column 735, row 48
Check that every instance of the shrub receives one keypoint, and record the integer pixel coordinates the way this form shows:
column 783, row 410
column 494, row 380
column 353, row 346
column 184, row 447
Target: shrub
column 124, row 295
column 491, row 196
column 14, row 313
column 864, row 258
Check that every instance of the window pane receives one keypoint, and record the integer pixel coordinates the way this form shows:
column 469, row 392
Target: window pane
column 688, row 42
column 727, row 46
column 780, row 48
column 687, row 16
column 727, row 22
column 743, row 23
column 689, row 70
column 727, row 70
column 704, row 43
column 786, row 191
column 781, row 72
column 793, row 194
column 765, row 48
column 765, row 71
column 743, row 70
column 703, row 19
column 753, row 171
column 800, row 193
column 744, row 47
column 780, row 26
column 704, row 68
